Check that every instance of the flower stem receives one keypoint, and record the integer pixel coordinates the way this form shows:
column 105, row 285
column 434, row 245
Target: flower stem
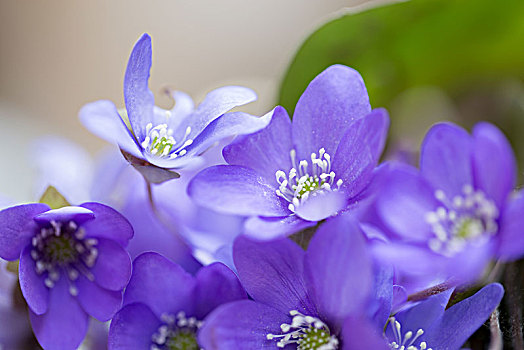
column 496, row 334
column 513, row 303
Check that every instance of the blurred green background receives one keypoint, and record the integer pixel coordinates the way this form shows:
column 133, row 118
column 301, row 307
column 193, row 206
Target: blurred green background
column 426, row 61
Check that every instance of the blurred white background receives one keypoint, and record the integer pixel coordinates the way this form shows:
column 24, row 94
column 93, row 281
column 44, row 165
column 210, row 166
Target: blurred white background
column 56, row 56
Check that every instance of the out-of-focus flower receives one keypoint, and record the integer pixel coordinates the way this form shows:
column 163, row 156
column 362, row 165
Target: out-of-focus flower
column 452, row 217
column 72, row 264
column 319, row 299
column 429, row 325
column 154, row 139
column 164, row 306
column 292, row 174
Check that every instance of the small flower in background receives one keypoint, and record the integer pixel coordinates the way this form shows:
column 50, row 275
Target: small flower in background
column 292, row 174
column 153, row 139
column 72, row 264
column 164, row 306
column 458, row 212
column 319, row 299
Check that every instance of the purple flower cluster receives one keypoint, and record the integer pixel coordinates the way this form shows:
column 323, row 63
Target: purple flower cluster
column 292, row 235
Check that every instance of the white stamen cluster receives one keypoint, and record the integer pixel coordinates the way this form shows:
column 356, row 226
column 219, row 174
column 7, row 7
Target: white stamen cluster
column 307, row 332
column 406, row 341
column 176, row 332
column 461, row 219
column 63, row 248
column 160, row 142
column 301, row 181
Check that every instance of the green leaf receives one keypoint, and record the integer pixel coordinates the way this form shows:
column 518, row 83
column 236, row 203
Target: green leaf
column 451, row 44
column 53, row 198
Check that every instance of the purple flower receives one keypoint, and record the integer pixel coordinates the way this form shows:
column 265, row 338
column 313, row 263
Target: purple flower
column 452, row 217
column 292, row 174
column 429, row 325
column 72, row 264
column 319, row 299
column 165, row 306
column 153, row 138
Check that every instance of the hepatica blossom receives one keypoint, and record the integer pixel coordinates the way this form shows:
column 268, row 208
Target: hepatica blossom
column 458, row 212
column 290, row 175
column 164, row 306
column 153, row 138
column 72, row 264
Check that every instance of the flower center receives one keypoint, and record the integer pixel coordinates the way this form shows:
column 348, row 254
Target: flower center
column 160, row 142
column 307, row 332
column 406, row 341
column 61, row 247
column 303, row 180
column 176, row 333
column 464, row 218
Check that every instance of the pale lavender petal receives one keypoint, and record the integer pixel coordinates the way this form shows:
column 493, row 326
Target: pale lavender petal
column 404, row 203
column 182, row 109
column 79, row 215
column 160, row 284
column 232, row 189
column 461, row 320
column 446, row 158
column 132, row 328
column 510, row 236
column 138, row 98
column 102, row 119
column 265, row 229
column 98, row 302
column 108, row 224
column 241, row 325
column 18, row 228
column 331, row 102
column 338, row 269
column 216, row 284
column 321, row 205
column 272, row 273
column 64, row 325
column 112, row 268
column 494, row 163
column 32, row 285
column 266, row 151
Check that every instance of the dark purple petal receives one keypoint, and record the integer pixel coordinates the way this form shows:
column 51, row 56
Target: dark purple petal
column 108, row 224
column 228, row 125
column 232, row 189
column 138, row 98
column 132, row 328
column 261, row 228
column 382, row 295
column 461, row 320
column 494, row 163
column 510, row 236
column 331, row 102
column 241, row 325
column 446, row 158
column 272, row 273
column 102, row 119
column 359, row 151
column 215, row 104
column 321, row 205
column 160, row 284
column 33, row 288
column 72, row 213
column 98, row 302
column 112, row 268
column 18, row 228
column 266, row 151
column 404, row 203
column 216, row 284
column 358, row 333
column 64, row 325
column 338, row 269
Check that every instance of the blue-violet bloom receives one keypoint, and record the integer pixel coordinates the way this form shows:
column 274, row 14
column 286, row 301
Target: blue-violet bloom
column 72, row 264
column 155, row 138
column 164, row 306
column 290, row 175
